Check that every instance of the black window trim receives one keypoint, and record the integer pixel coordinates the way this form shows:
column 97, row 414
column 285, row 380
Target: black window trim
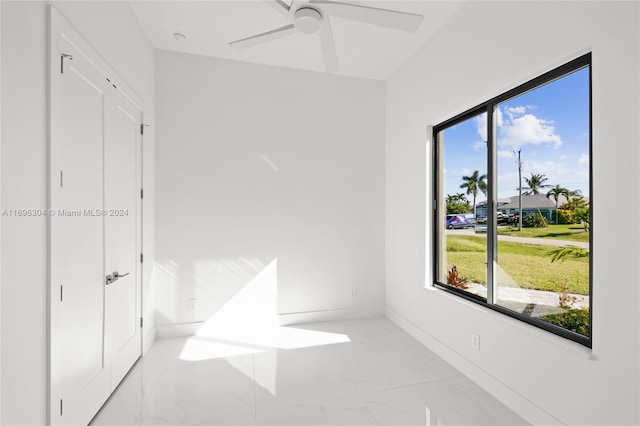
column 584, row 61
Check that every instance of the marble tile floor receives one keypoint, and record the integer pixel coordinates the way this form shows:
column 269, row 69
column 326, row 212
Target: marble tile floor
column 356, row 372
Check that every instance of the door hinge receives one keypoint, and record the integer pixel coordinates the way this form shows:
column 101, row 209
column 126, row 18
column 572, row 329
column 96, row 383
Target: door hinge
column 62, row 58
column 141, row 321
column 142, row 126
column 141, row 258
column 60, row 407
column 61, row 293
column 142, row 194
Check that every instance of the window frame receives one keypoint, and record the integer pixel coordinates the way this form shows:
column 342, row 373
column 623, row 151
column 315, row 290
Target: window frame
column 489, row 107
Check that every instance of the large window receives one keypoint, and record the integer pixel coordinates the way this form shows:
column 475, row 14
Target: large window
column 512, row 221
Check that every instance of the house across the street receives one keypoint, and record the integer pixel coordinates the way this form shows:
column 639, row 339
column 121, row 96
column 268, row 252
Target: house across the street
column 530, row 204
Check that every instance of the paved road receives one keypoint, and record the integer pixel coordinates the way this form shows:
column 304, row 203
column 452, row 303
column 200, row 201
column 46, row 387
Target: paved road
column 542, row 241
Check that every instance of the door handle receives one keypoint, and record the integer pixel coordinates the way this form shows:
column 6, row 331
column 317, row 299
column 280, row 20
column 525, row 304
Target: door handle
column 112, row 278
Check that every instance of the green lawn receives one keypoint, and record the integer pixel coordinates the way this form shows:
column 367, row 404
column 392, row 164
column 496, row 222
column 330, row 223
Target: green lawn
column 520, row 265
column 556, row 232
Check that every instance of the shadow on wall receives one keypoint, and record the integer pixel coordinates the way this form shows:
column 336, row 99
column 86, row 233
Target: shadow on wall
column 249, row 312
column 247, row 323
column 198, row 302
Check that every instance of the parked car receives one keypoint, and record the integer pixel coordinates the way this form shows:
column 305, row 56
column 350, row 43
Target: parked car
column 462, row 220
column 502, row 218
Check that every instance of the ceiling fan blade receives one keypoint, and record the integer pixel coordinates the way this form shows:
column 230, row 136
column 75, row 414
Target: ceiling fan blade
column 328, row 46
column 264, row 37
column 403, row 21
column 281, row 7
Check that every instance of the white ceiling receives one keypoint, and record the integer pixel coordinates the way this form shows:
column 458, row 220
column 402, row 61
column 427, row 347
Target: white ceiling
column 363, row 50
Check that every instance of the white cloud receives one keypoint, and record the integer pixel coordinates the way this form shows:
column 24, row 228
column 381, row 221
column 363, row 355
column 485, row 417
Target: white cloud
column 580, row 180
column 554, row 171
column 500, row 118
column 465, row 171
column 506, row 153
column 529, row 129
column 515, row 111
column 584, row 159
column 507, row 184
column 518, row 126
column 477, row 146
column 481, row 123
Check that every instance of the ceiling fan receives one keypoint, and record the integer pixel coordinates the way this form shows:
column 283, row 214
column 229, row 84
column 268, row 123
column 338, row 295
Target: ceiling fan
column 313, row 17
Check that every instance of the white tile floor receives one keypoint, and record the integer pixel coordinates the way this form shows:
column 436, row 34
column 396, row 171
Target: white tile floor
column 376, row 375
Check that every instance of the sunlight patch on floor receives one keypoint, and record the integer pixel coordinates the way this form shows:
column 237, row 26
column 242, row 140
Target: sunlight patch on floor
column 248, row 324
column 199, row 349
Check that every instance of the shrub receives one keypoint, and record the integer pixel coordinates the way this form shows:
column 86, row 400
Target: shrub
column 583, row 215
column 458, row 203
column 454, row 280
column 566, row 217
column 576, row 320
column 566, row 299
column 535, row 220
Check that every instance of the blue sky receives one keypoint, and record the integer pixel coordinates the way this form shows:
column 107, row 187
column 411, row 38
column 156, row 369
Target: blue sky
column 550, row 125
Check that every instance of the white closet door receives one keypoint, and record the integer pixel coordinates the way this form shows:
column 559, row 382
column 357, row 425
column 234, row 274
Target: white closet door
column 77, row 255
column 95, row 144
column 122, row 195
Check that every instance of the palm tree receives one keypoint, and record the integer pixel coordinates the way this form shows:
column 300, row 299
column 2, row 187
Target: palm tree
column 535, row 183
column 457, row 203
column 576, row 203
column 556, row 192
column 473, row 184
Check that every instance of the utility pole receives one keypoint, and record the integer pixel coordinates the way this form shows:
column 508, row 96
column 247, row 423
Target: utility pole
column 519, row 190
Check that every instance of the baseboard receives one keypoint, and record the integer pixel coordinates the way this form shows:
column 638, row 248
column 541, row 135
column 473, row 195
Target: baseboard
column 295, row 318
column 512, row 399
column 171, row 331
column 148, row 340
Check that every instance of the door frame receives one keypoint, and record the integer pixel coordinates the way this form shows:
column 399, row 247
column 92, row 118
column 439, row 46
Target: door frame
column 60, row 29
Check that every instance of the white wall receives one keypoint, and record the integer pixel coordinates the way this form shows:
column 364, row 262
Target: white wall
column 24, row 183
column 487, row 48
column 0, row 210
column 257, row 164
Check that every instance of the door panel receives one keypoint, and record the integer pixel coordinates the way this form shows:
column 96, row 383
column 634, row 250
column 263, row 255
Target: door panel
column 122, row 327
column 77, row 252
column 94, row 200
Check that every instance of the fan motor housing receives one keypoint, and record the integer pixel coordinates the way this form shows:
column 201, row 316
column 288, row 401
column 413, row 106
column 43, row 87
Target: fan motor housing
column 307, row 20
